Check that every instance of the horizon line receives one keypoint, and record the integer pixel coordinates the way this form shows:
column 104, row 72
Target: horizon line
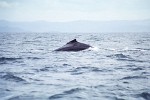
column 75, row 20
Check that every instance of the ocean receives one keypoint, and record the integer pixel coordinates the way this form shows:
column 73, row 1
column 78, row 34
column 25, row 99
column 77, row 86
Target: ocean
column 116, row 68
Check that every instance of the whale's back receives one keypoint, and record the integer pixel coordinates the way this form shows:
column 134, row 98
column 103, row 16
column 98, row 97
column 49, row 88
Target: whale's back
column 73, row 46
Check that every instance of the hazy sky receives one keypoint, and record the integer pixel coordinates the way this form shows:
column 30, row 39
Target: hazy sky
column 70, row 10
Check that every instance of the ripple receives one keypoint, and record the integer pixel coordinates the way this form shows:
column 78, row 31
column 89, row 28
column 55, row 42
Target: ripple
column 2, row 59
column 71, row 91
column 33, row 58
column 81, row 70
column 135, row 69
column 66, row 64
column 122, row 57
column 44, row 69
column 22, row 97
column 134, row 77
column 11, row 77
column 145, row 49
column 118, row 56
column 56, row 96
column 68, row 92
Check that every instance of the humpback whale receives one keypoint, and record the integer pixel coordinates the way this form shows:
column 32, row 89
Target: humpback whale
column 73, row 45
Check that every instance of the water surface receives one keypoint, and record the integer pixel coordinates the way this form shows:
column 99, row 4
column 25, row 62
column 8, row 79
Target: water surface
column 117, row 68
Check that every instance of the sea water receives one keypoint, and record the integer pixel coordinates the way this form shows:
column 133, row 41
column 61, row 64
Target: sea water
column 116, row 68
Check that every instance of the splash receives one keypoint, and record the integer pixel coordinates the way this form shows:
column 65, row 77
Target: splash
column 95, row 48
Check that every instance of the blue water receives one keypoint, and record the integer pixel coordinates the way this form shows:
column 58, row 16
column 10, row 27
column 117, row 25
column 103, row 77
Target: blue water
column 117, row 68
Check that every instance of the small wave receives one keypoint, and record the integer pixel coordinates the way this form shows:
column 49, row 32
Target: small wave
column 14, row 98
column 8, row 59
column 74, row 90
column 68, row 92
column 134, row 77
column 22, row 97
column 66, row 64
column 78, row 70
column 34, row 58
column 132, row 60
column 145, row 95
column 44, row 69
column 11, row 77
column 56, row 96
column 144, row 49
column 117, row 98
column 81, row 70
column 100, row 86
column 135, row 69
column 122, row 57
column 118, row 56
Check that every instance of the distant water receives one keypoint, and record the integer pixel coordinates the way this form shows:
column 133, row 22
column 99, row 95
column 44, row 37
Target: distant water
column 117, row 68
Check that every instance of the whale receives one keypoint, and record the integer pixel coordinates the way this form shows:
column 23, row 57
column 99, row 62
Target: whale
column 73, row 45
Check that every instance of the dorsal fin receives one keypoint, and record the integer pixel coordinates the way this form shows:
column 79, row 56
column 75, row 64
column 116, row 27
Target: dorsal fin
column 72, row 41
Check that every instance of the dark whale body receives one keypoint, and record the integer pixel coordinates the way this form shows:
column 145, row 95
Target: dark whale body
column 73, row 45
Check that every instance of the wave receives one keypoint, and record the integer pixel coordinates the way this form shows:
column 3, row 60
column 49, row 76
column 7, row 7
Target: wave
column 22, row 97
column 4, row 60
column 122, row 57
column 66, row 64
column 34, row 58
column 144, row 49
column 82, row 70
column 145, row 95
column 134, row 77
column 8, row 59
column 135, row 69
column 42, row 69
column 68, row 92
column 118, row 56
column 11, row 77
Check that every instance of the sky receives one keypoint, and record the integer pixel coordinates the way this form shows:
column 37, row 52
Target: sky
column 73, row 10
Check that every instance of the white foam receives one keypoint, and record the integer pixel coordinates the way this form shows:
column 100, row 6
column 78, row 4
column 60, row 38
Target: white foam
column 94, row 48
